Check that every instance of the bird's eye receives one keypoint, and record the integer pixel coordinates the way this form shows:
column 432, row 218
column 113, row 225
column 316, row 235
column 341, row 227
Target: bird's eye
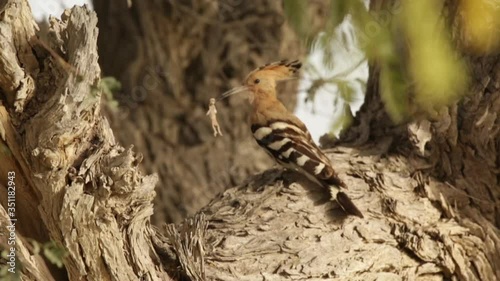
column 256, row 81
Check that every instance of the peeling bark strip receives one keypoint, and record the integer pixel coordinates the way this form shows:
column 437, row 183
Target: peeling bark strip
column 188, row 243
column 90, row 195
column 430, row 190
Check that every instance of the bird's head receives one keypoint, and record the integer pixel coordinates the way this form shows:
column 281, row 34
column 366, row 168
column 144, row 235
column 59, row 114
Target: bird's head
column 264, row 78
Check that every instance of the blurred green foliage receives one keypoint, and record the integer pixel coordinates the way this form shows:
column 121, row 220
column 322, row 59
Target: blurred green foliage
column 413, row 43
column 53, row 252
column 294, row 9
column 5, row 274
column 480, row 25
column 108, row 86
column 437, row 71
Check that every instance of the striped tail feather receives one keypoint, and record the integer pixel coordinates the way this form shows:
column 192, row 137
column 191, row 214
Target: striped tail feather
column 346, row 204
column 344, row 201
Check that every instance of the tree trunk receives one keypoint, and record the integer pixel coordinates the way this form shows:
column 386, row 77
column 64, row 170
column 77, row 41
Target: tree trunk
column 428, row 189
column 171, row 57
column 73, row 183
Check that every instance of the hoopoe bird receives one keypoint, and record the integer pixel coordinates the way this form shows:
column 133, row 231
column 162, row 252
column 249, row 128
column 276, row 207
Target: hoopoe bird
column 283, row 136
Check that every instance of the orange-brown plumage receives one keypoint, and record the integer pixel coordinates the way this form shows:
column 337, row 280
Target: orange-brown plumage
column 283, row 135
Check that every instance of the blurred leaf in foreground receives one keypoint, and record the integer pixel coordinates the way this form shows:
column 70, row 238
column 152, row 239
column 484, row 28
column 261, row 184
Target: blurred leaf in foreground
column 393, row 89
column 110, row 85
column 480, row 25
column 54, row 253
column 439, row 76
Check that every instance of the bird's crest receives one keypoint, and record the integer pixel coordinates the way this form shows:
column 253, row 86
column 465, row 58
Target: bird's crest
column 277, row 71
column 280, row 70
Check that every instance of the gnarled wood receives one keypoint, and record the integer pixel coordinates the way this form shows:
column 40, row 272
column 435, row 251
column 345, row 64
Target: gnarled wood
column 84, row 188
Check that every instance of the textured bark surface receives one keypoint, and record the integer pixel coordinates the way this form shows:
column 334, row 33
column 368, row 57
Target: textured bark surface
column 417, row 227
column 427, row 216
column 428, row 189
column 75, row 185
column 172, row 56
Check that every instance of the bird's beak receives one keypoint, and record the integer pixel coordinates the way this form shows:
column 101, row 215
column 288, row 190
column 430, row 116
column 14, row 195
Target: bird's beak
column 232, row 92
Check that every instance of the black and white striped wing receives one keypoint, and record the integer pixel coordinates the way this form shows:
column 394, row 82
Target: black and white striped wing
column 292, row 146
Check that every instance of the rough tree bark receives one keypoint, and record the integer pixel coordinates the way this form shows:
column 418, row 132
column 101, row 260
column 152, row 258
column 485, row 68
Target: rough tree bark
column 172, row 56
column 429, row 188
column 74, row 184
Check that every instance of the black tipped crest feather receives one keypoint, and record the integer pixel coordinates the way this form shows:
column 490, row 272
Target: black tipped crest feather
column 294, row 65
column 280, row 70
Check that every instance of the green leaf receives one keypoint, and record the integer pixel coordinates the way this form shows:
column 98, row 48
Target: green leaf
column 296, row 12
column 36, row 247
column 339, row 10
column 393, row 90
column 110, row 85
column 344, row 121
column 439, row 75
column 54, row 253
